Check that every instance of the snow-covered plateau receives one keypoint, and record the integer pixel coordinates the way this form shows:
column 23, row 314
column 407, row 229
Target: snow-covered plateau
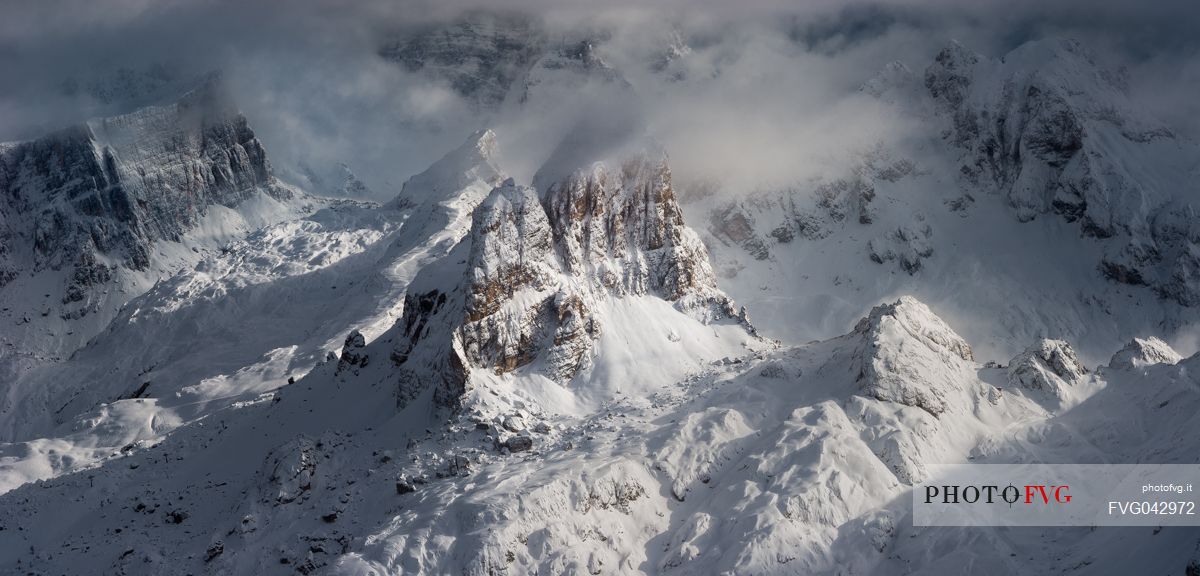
column 604, row 369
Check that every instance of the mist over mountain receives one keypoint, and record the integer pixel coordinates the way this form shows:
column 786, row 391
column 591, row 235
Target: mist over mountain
column 542, row 288
column 330, row 83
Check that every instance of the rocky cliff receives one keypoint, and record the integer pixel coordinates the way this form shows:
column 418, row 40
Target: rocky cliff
column 96, row 196
column 1054, row 131
column 539, row 271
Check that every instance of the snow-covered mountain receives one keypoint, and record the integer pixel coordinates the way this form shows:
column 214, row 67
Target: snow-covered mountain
column 780, row 461
column 1041, row 203
column 492, row 376
column 494, row 59
column 481, row 55
column 532, row 291
column 245, row 320
column 96, row 214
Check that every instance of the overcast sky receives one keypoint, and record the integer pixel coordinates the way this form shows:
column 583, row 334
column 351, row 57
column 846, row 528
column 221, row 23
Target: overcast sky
column 308, row 77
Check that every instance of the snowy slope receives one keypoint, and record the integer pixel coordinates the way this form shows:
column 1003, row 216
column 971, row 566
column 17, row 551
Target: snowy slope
column 626, row 255
column 787, row 461
column 96, row 214
column 242, row 322
column 1040, row 203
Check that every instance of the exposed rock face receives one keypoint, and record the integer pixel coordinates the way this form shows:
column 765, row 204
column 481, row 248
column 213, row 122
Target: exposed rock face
column 1029, row 137
column 1054, row 132
column 511, row 254
column 902, row 355
column 481, row 55
column 537, row 269
column 613, row 229
column 510, row 249
column 847, row 197
column 353, row 353
column 766, row 219
column 737, row 225
column 569, row 63
column 1050, row 366
column 1165, row 257
column 906, row 244
column 422, row 356
column 98, row 195
column 290, row 471
column 893, row 84
column 949, row 77
column 492, row 57
column 620, row 227
column 1142, row 352
column 446, row 197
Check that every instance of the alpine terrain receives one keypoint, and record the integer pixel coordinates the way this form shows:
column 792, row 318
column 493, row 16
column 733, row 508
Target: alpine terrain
column 597, row 361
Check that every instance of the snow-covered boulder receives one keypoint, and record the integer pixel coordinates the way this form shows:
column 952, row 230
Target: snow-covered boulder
column 290, row 470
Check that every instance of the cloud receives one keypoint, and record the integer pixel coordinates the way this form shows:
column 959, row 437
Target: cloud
column 766, row 94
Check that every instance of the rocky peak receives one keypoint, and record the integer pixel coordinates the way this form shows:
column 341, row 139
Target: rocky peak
column 1142, row 352
column 619, row 225
column 511, row 249
column 949, row 77
column 1049, row 367
column 893, row 82
column 1052, row 130
column 103, row 191
column 352, row 186
column 473, row 161
column 354, row 354
column 1033, row 122
column 909, row 366
column 902, row 350
column 538, row 271
column 918, row 321
column 541, row 265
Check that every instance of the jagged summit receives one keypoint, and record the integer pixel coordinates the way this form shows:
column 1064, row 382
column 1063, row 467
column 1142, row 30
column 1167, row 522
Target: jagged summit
column 1143, row 352
column 1049, row 369
column 474, row 160
column 620, row 224
column 903, row 347
column 541, row 276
